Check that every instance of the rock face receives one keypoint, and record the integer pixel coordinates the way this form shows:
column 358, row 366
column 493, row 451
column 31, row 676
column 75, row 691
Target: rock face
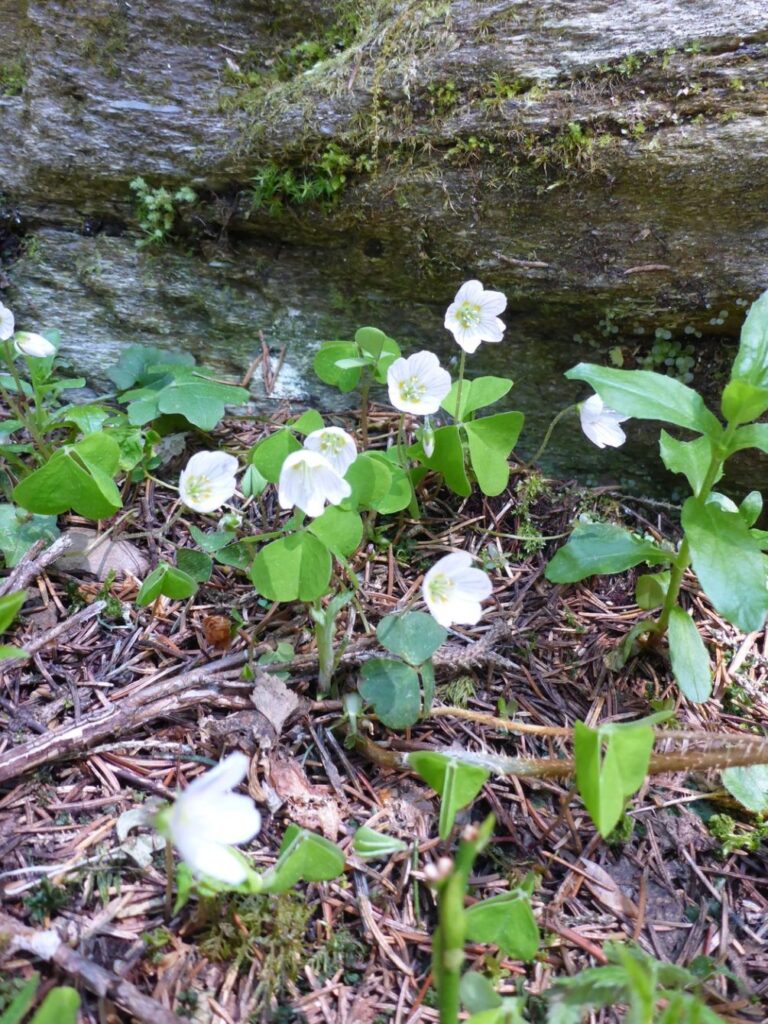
column 354, row 162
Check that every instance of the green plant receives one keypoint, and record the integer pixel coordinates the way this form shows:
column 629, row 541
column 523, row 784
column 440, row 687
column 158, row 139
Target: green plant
column 60, row 1006
column 13, row 78
column 44, row 901
column 158, row 210
column 321, row 181
column 720, row 540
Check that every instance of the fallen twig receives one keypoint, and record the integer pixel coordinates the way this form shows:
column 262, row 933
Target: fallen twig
column 33, row 563
column 49, row 945
column 65, row 626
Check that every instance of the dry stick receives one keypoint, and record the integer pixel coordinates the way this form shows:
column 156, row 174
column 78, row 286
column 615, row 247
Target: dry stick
column 65, row 626
column 48, row 945
column 33, row 563
column 175, row 695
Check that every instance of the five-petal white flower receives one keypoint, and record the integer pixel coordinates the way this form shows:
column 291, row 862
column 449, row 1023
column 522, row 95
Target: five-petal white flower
column 34, row 345
column 308, row 480
column 453, row 590
column 601, row 424
column 418, row 384
column 208, row 481
column 7, row 323
column 473, row 316
column 206, row 818
column 335, row 444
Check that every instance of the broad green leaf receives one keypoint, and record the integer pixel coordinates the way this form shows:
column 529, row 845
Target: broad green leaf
column 749, row 786
column 751, row 362
column 77, row 477
column 728, row 562
column 753, row 436
column 448, row 459
column 87, row 418
column 393, row 690
column 196, row 564
column 9, row 651
column 10, row 606
column 510, row 1012
column 304, row 856
column 490, row 442
column 687, row 1008
column 189, row 393
column 651, row 590
column 371, row 341
column 327, row 370
column 690, row 661
column 269, row 455
column 309, row 421
column 742, row 402
column 368, row 842
column 252, row 483
column 413, row 636
column 138, row 364
column 600, row 549
column 691, row 458
column 60, row 1006
column 370, row 480
column 477, row 993
column 20, row 529
column 475, row 394
column 166, row 580
column 650, row 396
column 210, row 542
column 399, row 492
column 339, row 529
column 751, row 507
column 294, row 568
column 505, row 921
column 456, row 782
column 22, row 1002
column 611, row 764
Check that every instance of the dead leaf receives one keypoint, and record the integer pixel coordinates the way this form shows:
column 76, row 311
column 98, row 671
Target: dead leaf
column 311, row 806
column 606, row 890
column 100, row 555
column 272, row 699
column 217, row 630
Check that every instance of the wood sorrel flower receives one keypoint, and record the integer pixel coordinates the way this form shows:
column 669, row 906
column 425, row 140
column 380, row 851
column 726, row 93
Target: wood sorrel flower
column 7, row 323
column 335, row 444
column 473, row 316
column 34, row 345
column 208, row 481
column 418, row 384
column 308, row 480
column 453, row 590
column 601, row 424
column 208, row 817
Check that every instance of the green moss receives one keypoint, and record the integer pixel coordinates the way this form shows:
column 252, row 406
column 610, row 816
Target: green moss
column 271, row 929
column 320, row 181
column 13, row 78
column 106, row 39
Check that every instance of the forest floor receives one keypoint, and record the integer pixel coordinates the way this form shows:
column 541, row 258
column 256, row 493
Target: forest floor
column 113, row 710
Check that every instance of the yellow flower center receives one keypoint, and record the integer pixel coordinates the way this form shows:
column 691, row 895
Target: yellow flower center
column 199, row 487
column 441, row 587
column 468, row 314
column 332, row 443
column 412, row 389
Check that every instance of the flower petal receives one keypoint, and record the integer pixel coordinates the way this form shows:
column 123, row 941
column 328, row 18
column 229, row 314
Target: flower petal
column 212, row 859
column 7, row 323
column 225, row 776
column 227, row 818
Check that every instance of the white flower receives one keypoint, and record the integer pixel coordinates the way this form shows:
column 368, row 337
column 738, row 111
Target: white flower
column 308, row 480
column 335, row 444
column 208, row 481
column 207, row 817
column 34, row 345
column 7, row 323
column 427, row 437
column 600, row 424
column 418, row 384
column 453, row 590
column 473, row 316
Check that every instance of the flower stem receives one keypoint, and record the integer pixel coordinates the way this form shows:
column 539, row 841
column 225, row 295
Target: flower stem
column 168, row 880
column 543, row 446
column 459, row 389
column 365, row 387
column 21, row 409
column 324, row 630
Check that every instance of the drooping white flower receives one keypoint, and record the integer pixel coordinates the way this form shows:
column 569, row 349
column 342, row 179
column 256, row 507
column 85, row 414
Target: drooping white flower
column 427, row 437
column 473, row 316
column 418, row 384
column 453, row 590
column 7, row 323
column 308, row 480
column 601, row 424
column 335, row 444
column 34, row 345
column 208, row 481
column 208, row 817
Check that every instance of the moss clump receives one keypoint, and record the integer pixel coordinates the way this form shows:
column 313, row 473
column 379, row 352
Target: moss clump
column 106, row 40
column 321, row 181
column 269, row 929
column 13, row 78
